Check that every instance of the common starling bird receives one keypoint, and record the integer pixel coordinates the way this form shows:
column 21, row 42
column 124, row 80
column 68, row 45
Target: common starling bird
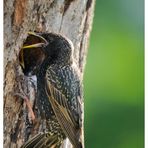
column 59, row 92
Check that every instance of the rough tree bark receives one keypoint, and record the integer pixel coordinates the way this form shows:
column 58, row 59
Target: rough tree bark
column 72, row 18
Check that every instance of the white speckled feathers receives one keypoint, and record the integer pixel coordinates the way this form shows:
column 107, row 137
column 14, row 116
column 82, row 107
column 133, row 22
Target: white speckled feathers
column 63, row 89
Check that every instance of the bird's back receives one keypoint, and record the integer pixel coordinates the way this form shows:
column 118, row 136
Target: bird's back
column 66, row 80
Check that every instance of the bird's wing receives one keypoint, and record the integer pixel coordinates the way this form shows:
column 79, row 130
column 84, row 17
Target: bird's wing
column 63, row 113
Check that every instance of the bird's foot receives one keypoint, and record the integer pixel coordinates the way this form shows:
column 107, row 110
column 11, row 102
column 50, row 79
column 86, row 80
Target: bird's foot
column 27, row 102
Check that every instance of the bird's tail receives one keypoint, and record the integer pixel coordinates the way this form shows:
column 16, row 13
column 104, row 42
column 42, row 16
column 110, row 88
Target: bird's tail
column 43, row 140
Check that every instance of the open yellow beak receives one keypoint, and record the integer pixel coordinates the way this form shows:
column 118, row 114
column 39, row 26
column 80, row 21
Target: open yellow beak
column 44, row 42
column 33, row 46
column 37, row 44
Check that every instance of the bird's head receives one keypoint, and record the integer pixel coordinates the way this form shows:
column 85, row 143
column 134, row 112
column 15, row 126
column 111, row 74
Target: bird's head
column 58, row 47
column 55, row 47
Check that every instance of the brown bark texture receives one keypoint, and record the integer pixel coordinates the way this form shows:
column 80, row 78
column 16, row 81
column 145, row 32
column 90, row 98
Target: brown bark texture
column 73, row 19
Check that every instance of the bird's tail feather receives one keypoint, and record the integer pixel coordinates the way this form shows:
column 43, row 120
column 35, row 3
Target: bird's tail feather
column 43, row 140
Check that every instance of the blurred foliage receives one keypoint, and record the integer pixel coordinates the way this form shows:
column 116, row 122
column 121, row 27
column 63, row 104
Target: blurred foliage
column 114, row 76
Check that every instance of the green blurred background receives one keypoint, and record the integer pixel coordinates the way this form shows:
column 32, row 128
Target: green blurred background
column 114, row 76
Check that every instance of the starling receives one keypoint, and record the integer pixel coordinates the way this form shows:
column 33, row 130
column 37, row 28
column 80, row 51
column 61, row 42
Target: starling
column 59, row 92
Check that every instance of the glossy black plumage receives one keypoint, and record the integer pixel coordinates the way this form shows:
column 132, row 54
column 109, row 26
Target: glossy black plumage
column 59, row 92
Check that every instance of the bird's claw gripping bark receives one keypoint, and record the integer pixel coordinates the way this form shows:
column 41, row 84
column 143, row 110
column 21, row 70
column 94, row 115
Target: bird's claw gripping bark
column 24, row 96
column 27, row 103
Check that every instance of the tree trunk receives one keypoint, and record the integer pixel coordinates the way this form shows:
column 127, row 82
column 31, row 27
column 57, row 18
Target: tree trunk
column 73, row 19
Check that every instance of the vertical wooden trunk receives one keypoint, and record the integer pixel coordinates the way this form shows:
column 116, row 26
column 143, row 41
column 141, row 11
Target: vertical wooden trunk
column 72, row 18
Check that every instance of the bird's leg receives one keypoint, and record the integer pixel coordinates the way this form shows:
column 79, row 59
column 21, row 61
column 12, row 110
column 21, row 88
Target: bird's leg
column 22, row 94
column 27, row 103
